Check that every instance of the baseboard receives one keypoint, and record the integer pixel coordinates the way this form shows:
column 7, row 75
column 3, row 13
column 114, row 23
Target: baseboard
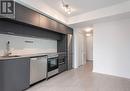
column 117, row 76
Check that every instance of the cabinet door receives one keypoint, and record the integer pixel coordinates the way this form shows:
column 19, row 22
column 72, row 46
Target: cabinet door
column 69, row 30
column 26, row 15
column 14, row 74
column 10, row 28
column 45, row 22
column 54, row 26
column 62, row 28
column 62, row 44
column 62, row 68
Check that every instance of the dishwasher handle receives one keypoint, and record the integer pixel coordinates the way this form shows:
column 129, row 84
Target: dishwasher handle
column 34, row 59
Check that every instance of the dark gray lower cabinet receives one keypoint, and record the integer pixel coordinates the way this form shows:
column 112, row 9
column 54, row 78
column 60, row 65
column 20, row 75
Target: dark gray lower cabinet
column 62, row 68
column 14, row 74
column 62, row 59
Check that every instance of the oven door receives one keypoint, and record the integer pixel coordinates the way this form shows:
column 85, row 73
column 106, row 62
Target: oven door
column 52, row 64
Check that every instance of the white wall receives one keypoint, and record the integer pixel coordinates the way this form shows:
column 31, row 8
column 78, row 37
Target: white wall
column 89, row 40
column 20, row 47
column 112, row 48
column 79, row 48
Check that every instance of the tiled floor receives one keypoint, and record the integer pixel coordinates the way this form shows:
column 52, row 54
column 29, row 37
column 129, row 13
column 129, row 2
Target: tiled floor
column 82, row 79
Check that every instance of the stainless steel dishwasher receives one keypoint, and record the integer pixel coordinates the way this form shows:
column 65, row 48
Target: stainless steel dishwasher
column 38, row 69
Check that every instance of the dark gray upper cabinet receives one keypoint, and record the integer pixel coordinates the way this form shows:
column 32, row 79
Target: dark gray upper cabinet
column 26, row 15
column 45, row 22
column 29, row 16
column 70, row 31
column 10, row 28
column 21, row 29
column 54, row 26
column 62, row 28
column 62, row 44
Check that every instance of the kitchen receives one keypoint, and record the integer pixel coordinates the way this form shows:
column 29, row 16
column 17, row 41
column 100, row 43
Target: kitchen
column 64, row 45
column 33, row 48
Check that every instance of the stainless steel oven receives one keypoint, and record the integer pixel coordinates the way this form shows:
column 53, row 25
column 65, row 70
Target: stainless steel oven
column 52, row 64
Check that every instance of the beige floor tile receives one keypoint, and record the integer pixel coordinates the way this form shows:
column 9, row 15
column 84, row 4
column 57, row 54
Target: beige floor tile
column 83, row 79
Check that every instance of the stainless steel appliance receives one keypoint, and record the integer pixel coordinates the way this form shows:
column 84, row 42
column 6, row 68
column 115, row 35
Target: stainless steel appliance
column 66, row 54
column 38, row 69
column 52, row 65
column 69, row 51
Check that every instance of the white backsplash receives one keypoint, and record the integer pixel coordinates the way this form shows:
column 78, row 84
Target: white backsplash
column 18, row 46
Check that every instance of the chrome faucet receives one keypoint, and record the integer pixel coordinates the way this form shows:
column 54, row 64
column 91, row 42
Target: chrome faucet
column 8, row 52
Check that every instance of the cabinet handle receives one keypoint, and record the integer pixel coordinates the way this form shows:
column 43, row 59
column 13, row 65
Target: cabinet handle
column 61, row 63
column 34, row 59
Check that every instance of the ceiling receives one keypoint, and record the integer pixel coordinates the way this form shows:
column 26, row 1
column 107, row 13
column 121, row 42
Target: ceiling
column 96, row 9
column 81, row 6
